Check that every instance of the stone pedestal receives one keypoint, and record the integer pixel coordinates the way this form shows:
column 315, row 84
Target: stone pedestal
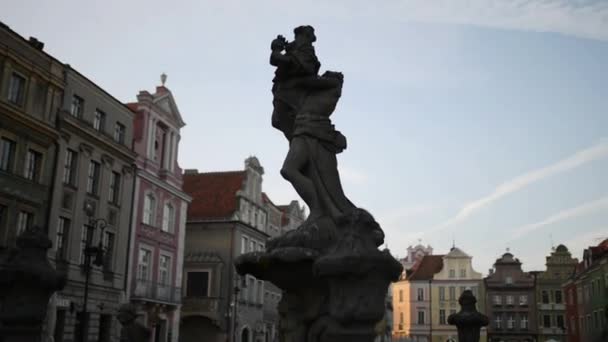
column 27, row 281
column 334, row 278
column 468, row 321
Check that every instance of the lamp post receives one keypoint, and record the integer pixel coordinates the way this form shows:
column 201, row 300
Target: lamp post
column 234, row 311
column 90, row 251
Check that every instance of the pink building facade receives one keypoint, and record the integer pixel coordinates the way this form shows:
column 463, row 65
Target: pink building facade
column 159, row 215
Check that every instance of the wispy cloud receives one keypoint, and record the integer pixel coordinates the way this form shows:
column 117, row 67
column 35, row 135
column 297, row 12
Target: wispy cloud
column 567, row 214
column 582, row 18
column 590, row 154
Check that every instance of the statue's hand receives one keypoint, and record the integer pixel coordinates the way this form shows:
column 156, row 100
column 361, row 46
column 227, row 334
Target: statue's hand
column 278, row 44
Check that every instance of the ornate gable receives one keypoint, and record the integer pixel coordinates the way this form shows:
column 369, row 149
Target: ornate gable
column 164, row 100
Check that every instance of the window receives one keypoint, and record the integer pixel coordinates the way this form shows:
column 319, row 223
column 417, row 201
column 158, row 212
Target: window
column 497, row 300
column 33, row 160
column 109, row 252
column 442, row 316
column 69, row 167
column 420, row 317
column 105, row 327
column 558, row 297
column 560, row 321
column 16, row 89
column 463, row 273
column 511, row 322
column 509, row 280
column 251, row 246
column 119, row 133
column 85, row 237
column 143, row 266
column 523, row 300
column 441, row 293
column 24, row 221
column 452, row 273
column 198, row 284
column 523, row 321
column 400, row 296
column 149, row 209
column 164, row 270
column 77, row 106
column 114, row 193
column 452, row 293
column 93, row 178
column 168, row 218
column 420, row 294
column 498, row 322
column 260, row 288
column 99, row 121
column 546, row 321
column 401, row 318
column 509, row 300
column 545, row 297
column 63, row 229
column 252, row 289
column 7, row 154
column 244, row 243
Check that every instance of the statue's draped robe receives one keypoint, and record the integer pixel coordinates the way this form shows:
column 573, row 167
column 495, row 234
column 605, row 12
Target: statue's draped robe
column 302, row 112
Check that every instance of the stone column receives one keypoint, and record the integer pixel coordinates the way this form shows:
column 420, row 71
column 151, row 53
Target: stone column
column 468, row 321
column 27, row 281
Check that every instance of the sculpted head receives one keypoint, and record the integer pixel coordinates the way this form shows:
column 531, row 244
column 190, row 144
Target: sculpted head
column 305, row 34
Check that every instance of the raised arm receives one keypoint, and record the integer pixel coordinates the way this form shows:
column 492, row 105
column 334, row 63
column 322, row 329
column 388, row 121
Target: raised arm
column 276, row 57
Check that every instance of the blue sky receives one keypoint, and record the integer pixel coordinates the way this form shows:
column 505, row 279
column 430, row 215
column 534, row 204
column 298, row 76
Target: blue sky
column 484, row 121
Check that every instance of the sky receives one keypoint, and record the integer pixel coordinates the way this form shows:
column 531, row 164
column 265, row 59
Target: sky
column 481, row 123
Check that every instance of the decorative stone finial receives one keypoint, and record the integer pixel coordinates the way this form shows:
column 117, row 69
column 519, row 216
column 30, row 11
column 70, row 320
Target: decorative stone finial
column 163, row 79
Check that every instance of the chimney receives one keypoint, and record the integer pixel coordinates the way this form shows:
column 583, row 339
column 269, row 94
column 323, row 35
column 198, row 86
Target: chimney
column 38, row 45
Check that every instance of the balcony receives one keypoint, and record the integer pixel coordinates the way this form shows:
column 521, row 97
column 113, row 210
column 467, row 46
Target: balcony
column 150, row 291
column 206, row 306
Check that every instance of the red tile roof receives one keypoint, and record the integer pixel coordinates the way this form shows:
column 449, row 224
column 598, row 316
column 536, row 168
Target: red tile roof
column 426, row 268
column 213, row 194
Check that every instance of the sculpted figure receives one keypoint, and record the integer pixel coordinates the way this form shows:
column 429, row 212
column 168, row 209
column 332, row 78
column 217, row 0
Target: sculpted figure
column 132, row 331
column 303, row 102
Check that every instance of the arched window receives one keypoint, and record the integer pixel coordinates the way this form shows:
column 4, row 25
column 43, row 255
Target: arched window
column 245, row 335
column 149, row 209
column 168, row 218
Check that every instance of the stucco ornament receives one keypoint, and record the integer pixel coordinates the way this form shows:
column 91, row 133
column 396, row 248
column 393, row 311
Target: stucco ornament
column 333, row 276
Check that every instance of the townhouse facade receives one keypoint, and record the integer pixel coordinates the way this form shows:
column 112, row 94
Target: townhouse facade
column 586, row 293
column 456, row 276
column 551, row 302
column 510, row 301
column 159, row 214
column 31, row 93
column 228, row 216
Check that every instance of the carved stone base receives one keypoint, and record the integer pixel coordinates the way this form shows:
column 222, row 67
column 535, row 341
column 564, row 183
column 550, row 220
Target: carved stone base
column 334, row 278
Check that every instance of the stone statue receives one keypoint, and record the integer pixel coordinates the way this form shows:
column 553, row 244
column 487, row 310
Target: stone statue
column 131, row 331
column 334, row 278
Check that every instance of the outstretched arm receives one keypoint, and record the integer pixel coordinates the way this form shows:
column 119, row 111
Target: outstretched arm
column 276, row 57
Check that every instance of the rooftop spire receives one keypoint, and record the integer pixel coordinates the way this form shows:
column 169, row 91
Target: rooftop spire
column 163, row 79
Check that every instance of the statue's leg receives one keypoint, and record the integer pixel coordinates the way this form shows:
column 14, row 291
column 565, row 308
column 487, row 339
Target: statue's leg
column 295, row 163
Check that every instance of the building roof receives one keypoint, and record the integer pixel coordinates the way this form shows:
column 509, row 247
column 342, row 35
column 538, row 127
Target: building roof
column 426, row 268
column 456, row 252
column 213, row 194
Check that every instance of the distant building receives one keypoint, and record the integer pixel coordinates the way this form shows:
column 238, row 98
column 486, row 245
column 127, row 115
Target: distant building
column 31, row 93
column 94, row 167
column 158, row 223
column 456, row 275
column 412, row 301
column 229, row 216
column 414, row 254
column 587, row 296
column 550, row 299
column 510, row 301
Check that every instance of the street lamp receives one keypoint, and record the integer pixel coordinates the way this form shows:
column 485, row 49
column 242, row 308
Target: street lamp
column 234, row 311
column 90, row 251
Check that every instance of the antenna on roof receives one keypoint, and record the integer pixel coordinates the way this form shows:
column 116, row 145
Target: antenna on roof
column 453, row 241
